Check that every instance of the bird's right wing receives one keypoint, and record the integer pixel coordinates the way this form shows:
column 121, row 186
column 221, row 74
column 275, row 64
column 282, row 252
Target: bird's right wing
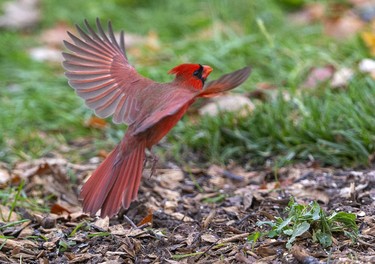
column 225, row 82
column 99, row 71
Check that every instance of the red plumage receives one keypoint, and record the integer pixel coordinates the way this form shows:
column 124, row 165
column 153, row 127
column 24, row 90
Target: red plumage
column 99, row 71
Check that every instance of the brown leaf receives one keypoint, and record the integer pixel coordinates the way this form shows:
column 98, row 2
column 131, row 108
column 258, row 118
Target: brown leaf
column 318, row 75
column 4, row 175
column 5, row 212
column 209, row 238
column 341, row 77
column 344, row 27
column 96, row 122
column 309, row 13
column 228, row 103
column 170, row 178
column 299, row 191
column 20, row 14
column 367, row 66
column 45, row 53
column 368, row 38
column 302, row 255
column 209, row 218
column 182, row 217
column 58, row 209
column 147, row 219
column 102, row 223
column 80, row 258
column 269, row 249
column 167, row 194
column 54, row 37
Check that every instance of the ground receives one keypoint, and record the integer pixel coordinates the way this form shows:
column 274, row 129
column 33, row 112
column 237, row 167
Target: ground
column 301, row 126
column 187, row 215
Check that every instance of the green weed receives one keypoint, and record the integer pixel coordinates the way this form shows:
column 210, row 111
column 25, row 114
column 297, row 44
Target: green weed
column 311, row 217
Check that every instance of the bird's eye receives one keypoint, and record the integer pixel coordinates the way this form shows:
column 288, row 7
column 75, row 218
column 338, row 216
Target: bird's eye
column 196, row 73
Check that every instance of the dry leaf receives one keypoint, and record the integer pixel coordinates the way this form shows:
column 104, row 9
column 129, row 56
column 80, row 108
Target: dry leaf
column 96, row 122
column 311, row 193
column 318, row 75
column 102, row 223
column 228, row 103
column 209, row 238
column 20, row 14
column 367, row 66
column 170, row 206
column 309, row 13
column 264, row 91
column 58, row 209
column 344, row 27
column 54, row 37
column 4, row 175
column 342, row 77
column 5, row 212
column 46, row 54
column 167, row 194
column 302, row 255
column 182, row 217
column 170, row 178
column 147, row 219
column 369, row 40
column 119, row 230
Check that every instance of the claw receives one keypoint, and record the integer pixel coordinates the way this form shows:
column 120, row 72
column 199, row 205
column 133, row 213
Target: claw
column 154, row 159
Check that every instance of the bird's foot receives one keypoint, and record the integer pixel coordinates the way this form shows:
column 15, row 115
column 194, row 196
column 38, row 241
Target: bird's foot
column 154, row 160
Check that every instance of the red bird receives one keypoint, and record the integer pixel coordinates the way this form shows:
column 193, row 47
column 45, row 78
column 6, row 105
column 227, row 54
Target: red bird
column 99, row 70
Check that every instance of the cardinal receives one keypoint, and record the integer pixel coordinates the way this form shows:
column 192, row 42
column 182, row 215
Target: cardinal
column 98, row 69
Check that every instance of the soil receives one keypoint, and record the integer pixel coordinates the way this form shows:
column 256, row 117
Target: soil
column 185, row 215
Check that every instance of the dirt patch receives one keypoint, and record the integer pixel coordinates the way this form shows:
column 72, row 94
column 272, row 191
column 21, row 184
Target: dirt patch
column 186, row 215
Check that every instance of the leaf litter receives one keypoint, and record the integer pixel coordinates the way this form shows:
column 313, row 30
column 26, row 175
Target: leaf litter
column 185, row 215
column 191, row 215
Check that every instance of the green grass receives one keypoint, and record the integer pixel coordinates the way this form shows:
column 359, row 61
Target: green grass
column 310, row 217
column 15, row 198
column 337, row 128
column 39, row 112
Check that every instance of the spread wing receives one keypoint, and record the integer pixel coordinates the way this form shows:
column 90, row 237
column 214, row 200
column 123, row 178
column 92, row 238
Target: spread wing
column 99, row 71
column 225, row 82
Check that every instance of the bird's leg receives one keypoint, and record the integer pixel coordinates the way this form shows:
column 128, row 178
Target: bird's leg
column 154, row 159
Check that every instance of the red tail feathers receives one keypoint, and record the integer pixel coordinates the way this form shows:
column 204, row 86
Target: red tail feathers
column 114, row 183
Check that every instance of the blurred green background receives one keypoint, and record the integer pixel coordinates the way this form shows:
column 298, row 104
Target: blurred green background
column 40, row 114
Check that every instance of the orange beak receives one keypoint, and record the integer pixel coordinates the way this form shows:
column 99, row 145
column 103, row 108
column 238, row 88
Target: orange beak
column 206, row 71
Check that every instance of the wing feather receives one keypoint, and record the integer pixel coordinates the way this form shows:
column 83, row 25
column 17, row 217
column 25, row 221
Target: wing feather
column 225, row 82
column 99, row 71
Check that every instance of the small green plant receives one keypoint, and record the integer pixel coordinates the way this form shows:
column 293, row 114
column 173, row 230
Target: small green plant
column 99, row 234
column 311, row 217
column 66, row 245
column 15, row 197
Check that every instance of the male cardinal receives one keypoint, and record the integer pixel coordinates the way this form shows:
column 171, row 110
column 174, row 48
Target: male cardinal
column 99, row 71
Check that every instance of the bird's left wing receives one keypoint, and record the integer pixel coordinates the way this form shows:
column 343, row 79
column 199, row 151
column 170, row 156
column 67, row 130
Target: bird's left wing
column 99, row 71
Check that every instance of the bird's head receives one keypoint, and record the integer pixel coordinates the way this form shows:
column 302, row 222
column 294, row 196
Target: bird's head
column 191, row 74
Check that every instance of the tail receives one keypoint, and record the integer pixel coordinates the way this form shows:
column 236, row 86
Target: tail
column 115, row 182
